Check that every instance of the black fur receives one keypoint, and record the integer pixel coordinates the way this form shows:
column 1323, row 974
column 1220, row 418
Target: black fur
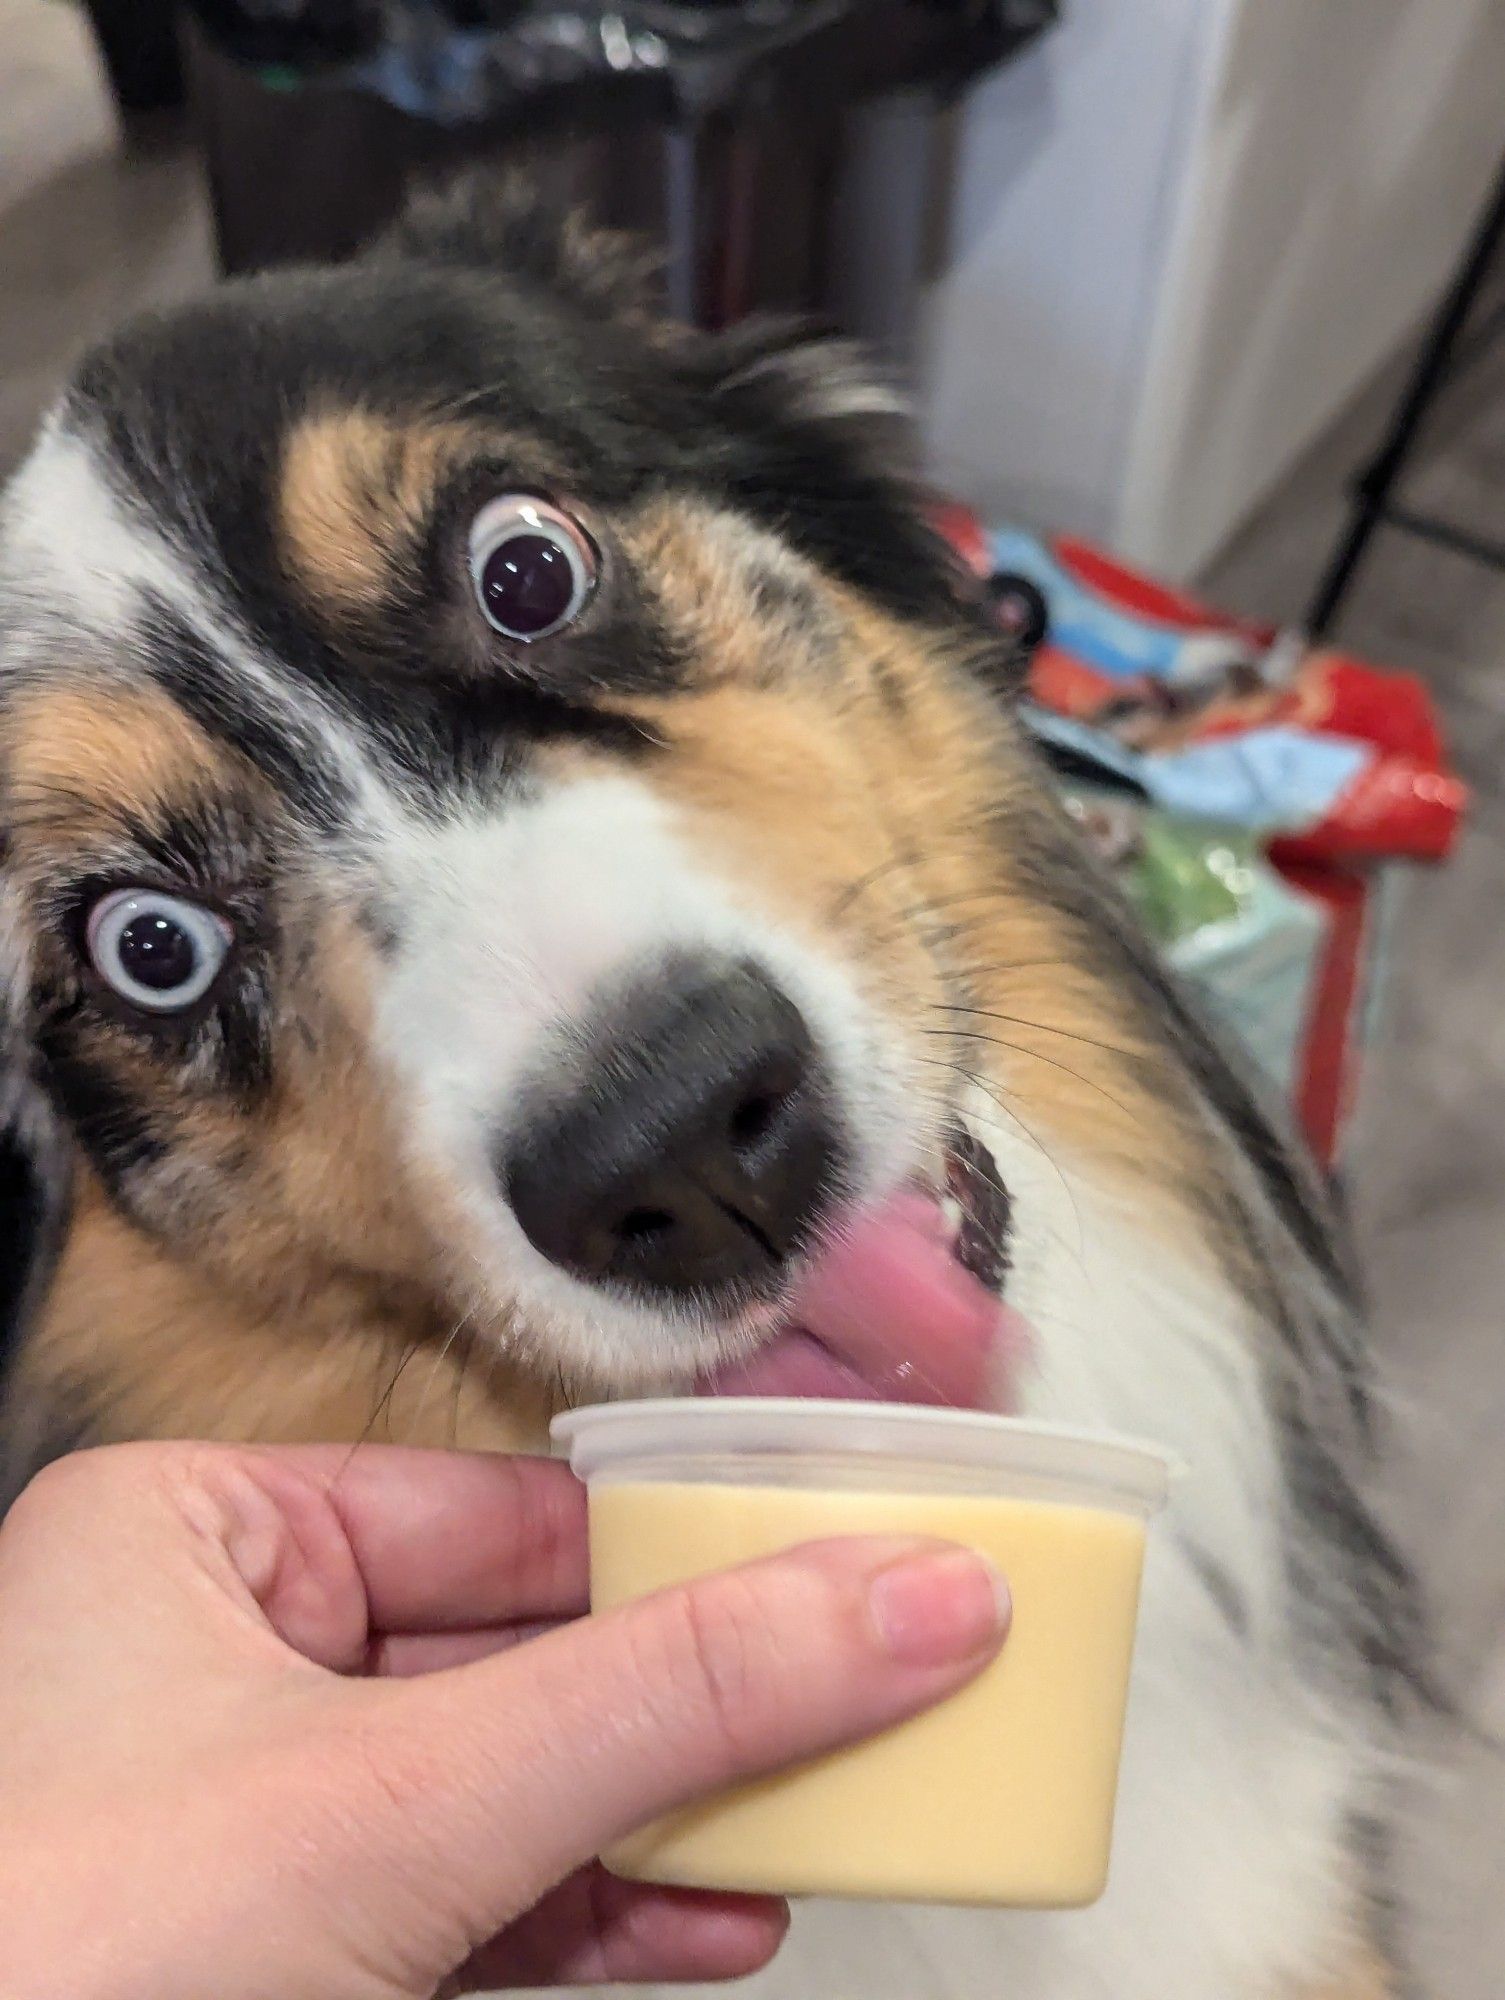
column 22, row 1212
column 195, row 405
column 119, row 1136
column 292, row 758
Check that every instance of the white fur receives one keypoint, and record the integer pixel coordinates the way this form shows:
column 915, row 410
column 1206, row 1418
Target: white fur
column 513, row 924
column 78, row 563
column 1230, row 1878
column 831, row 381
column 72, row 548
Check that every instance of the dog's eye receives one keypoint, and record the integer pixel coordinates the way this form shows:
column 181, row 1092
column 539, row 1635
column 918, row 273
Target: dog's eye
column 156, row 950
column 533, row 567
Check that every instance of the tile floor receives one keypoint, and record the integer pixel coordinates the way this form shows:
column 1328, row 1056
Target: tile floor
column 88, row 232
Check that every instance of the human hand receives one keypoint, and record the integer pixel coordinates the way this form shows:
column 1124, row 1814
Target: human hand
column 266, row 1730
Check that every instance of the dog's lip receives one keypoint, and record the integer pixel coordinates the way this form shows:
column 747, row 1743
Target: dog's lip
column 898, row 1307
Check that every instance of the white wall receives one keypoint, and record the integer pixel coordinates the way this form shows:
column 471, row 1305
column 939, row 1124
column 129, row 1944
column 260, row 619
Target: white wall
column 1068, row 170
column 1347, row 149
column 1185, row 234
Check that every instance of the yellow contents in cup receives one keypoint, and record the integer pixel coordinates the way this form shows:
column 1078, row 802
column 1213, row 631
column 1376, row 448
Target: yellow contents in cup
column 1004, row 1794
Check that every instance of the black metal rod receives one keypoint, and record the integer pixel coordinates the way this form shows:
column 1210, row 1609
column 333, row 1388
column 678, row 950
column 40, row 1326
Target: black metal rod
column 1373, row 491
column 1427, row 528
column 1480, row 337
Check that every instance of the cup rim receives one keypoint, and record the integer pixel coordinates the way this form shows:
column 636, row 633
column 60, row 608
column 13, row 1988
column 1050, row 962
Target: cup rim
column 1104, row 1465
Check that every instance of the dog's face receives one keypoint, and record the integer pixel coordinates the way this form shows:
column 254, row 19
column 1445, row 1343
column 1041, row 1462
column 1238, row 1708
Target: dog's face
column 499, row 805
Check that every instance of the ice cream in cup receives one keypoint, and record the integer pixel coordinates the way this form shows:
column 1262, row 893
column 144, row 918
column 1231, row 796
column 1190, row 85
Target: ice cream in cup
column 1002, row 1795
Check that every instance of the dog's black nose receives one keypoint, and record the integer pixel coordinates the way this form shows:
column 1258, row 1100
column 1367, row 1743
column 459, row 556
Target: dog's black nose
column 696, row 1148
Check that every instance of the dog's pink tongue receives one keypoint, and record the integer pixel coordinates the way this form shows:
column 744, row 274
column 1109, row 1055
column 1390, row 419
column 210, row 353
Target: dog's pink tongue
column 887, row 1314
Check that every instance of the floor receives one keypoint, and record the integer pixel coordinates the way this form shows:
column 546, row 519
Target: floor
column 88, row 232
column 1427, row 1159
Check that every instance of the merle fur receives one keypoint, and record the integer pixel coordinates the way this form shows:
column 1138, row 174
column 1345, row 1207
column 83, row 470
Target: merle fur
column 482, row 306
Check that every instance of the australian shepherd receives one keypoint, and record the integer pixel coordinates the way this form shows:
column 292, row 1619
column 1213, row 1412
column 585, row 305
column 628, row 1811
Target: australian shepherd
column 517, row 856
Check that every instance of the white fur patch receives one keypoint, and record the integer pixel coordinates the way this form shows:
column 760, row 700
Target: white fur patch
column 830, row 381
column 512, row 924
column 1231, row 1878
column 78, row 563
column 72, row 549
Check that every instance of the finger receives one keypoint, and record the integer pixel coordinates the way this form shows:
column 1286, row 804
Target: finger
column 439, row 1542
column 449, row 1539
column 602, row 1726
column 595, row 1931
column 328, row 1547
column 400, row 1655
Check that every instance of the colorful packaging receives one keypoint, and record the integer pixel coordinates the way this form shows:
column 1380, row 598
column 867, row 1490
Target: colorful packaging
column 1248, row 789
column 1320, row 754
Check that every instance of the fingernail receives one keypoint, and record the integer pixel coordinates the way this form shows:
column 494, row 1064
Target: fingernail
column 939, row 1607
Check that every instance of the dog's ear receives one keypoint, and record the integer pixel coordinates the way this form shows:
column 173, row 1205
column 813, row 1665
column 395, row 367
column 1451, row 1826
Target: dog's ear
column 819, row 447
column 790, row 377
column 509, row 223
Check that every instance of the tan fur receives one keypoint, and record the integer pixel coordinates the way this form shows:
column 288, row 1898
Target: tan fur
column 705, row 568
column 871, row 794
column 149, row 1348
column 355, row 489
column 1366, row 1979
column 326, row 1185
column 76, row 754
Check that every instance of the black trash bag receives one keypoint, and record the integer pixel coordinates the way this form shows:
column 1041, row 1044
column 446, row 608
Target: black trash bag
column 459, row 62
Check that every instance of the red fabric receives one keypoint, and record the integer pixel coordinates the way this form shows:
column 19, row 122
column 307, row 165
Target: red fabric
column 1059, row 680
column 1332, row 1032
column 1406, row 802
column 1395, row 809
column 1132, row 592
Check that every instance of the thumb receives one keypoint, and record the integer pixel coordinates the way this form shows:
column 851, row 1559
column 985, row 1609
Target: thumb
column 498, row 1779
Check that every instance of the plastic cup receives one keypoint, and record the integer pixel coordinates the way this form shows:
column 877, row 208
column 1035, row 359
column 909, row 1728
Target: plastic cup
column 1002, row 1795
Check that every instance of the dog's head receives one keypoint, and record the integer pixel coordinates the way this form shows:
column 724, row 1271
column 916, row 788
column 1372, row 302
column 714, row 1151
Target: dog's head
column 501, row 803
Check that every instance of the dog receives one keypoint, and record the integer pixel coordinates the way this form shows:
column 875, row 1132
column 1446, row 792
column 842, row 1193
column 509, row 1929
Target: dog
column 515, row 840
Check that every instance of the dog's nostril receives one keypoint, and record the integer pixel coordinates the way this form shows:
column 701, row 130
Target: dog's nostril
column 695, row 1153
column 754, row 1116
column 766, row 1098
column 642, row 1226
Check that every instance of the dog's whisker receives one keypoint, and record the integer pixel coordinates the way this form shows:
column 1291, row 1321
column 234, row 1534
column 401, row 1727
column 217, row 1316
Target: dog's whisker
column 854, row 891
column 1030, row 1055
column 436, row 1363
column 467, row 1351
column 1037, row 1027
column 382, row 1409
column 999, row 1099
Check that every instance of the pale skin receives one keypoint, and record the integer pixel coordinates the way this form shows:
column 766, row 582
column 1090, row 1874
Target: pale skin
column 267, row 1726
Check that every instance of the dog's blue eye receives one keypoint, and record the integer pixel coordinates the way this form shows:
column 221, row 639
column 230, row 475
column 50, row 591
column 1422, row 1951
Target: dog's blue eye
column 157, row 951
column 533, row 568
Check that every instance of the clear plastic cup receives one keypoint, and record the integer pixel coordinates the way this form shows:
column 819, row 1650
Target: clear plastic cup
column 1002, row 1795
